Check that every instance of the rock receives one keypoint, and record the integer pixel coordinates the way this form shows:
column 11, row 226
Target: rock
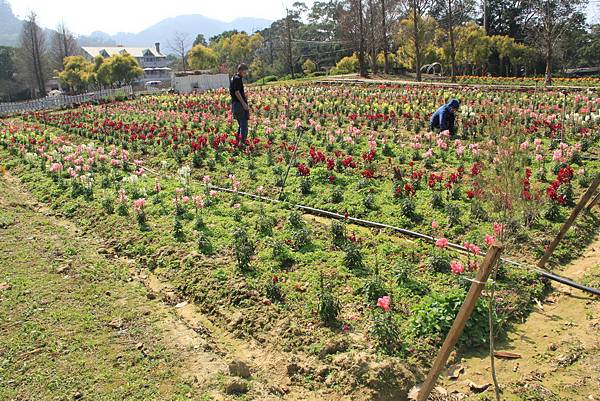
column 236, row 386
column 116, row 323
column 333, row 347
column 239, row 368
column 236, row 320
column 78, row 395
column 150, row 296
column 478, row 388
column 5, row 286
column 455, row 371
column 553, row 347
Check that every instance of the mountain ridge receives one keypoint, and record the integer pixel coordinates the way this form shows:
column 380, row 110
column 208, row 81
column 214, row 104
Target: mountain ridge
column 162, row 31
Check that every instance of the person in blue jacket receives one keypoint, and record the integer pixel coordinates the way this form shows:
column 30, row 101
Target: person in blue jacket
column 443, row 118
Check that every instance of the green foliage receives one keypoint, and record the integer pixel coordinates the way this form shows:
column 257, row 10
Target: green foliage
column 201, row 57
column 385, row 330
column 282, row 254
column 243, row 248
column 374, row 288
column 346, row 65
column 439, row 261
column 309, row 66
column 338, row 234
column 329, row 307
column 77, row 74
column 273, row 290
column 434, row 316
column 353, row 259
column 178, row 233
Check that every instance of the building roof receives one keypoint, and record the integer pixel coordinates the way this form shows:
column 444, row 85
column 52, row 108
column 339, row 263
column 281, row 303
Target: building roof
column 109, row 51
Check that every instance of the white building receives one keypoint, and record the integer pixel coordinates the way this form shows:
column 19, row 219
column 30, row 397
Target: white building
column 198, row 81
column 154, row 63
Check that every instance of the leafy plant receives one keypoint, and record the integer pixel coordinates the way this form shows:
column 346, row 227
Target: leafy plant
column 243, row 248
column 374, row 287
column 385, row 330
column 353, row 259
column 273, row 290
column 434, row 316
column 338, row 234
column 329, row 307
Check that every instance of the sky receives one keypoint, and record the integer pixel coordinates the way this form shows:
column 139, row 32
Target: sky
column 112, row 16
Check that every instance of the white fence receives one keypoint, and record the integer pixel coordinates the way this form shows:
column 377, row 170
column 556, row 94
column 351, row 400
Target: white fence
column 199, row 83
column 55, row 102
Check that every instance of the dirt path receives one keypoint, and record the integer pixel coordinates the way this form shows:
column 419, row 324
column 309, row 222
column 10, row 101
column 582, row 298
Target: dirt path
column 559, row 344
column 197, row 352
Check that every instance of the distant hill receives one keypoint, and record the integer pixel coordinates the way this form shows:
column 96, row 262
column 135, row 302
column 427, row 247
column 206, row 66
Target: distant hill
column 10, row 26
column 163, row 31
column 192, row 25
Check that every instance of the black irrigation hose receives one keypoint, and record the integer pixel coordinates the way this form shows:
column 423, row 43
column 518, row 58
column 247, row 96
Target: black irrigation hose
column 367, row 223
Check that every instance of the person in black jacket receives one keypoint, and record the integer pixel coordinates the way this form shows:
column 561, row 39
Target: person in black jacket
column 239, row 103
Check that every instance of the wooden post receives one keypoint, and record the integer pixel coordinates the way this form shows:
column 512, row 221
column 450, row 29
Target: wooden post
column 567, row 224
column 492, row 256
column 593, row 203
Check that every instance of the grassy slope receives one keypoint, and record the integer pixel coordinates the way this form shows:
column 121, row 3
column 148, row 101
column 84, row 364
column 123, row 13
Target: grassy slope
column 61, row 306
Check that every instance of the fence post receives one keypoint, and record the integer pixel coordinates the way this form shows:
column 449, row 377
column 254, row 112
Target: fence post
column 593, row 203
column 567, row 224
column 491, row 258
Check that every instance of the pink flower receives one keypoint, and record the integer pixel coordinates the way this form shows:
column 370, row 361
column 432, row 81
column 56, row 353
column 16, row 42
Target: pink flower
column 237, row 206
column 384, row 303
column 473, row 265
column 198, row 201
column 260, row 189
column 185, row 199
column 456, row 267
column 157, row 188
column 213, row 193
column 473, row 248
column 206, row 179
column 489, row 239
column 441, row 243
column 498, row 228
column 434, row 224
column 138, row 204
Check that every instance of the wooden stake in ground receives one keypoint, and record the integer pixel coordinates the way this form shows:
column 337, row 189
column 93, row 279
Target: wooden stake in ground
column 567, row 224
column 491, row 258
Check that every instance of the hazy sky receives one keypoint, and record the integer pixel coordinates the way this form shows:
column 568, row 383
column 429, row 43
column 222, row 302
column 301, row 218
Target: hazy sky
column 111, row 16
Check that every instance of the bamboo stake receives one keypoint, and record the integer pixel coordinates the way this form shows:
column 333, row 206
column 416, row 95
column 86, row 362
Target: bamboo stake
column 593, row 203
column 567, row 224
column 492, row 256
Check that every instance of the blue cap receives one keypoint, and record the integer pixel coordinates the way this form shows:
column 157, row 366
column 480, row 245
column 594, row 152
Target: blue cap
column 454, row 103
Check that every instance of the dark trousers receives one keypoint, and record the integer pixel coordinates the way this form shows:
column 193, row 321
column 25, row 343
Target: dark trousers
column 241, row 116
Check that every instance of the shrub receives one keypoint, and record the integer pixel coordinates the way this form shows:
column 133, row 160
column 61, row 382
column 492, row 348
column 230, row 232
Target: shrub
column 385, row 330
column 374, row 288
column 268, row 78
column 309, row 66
column 282, row 254
column 329, row 307
column 338, row 234
column 346, row 65
column 204, row 244
column 178, row 229
column 353, row 259
column 265, row 223
column 434, row 316
column 273, row 290
column 438, row 261
column 337, row 195
column 243, row 247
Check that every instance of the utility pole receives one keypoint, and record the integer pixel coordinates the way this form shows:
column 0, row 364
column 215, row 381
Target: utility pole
column 486, row 17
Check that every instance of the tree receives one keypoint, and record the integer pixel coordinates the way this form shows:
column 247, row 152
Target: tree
column 124, row 69
column 200, row 40
column 429, row 52
column 551, row 20
column 415, row 9
column 64, row 45
column 179, row 44
column 77, row 73
column 384, row 39
column 33, row 53
column 8, row 70
column 309, row 66
column 202, row 58
column 237, row 48
column 449, row 14
column 473, row 47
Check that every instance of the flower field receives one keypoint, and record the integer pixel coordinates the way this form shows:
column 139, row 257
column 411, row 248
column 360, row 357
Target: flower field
column 146, row 175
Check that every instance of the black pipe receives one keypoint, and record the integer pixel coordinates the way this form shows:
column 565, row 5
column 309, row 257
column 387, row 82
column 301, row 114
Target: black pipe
column 367, row 223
